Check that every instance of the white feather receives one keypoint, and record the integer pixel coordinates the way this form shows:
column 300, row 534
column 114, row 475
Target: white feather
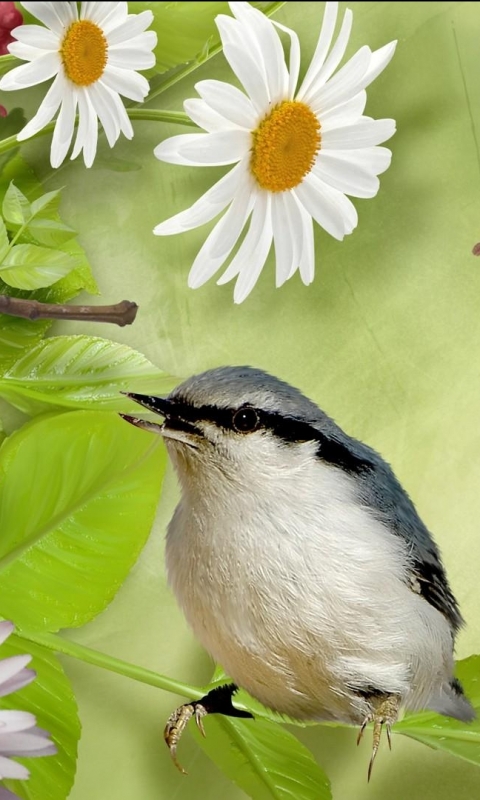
column 294, row 586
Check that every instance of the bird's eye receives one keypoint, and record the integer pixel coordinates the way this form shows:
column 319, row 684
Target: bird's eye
column 245, row 420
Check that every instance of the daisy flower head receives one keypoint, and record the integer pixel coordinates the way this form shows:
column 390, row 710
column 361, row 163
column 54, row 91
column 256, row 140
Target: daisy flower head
column 19, row 735
column 298, row 152
column 93, row 57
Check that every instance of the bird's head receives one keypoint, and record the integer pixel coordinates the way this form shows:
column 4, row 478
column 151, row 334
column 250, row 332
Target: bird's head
column 233, row 422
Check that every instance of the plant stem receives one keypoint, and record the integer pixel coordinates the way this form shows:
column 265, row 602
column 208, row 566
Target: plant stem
column 121, row 314
column 56, row 643
column 147, row 114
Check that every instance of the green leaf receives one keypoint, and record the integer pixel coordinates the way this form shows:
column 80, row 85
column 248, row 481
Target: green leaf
column 78, row 493
column 47, row 232
column 47, row 205
column 51, row 699
column 29, row 266
column 4, row 240
column 263, row 758
column 81, row 372
column 15, row 208
column 17, row 336
column 461, row 739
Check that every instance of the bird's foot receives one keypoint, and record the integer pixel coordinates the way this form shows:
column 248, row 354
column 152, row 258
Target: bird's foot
column 217, row 701
column 384, row 712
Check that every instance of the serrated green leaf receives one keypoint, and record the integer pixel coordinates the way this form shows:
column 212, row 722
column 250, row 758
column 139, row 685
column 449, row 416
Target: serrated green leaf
column 16, row 209
column 47, row 205
column 18, row 335
column 30, row 266
column 461, row 739
column 51, row 699
column 78, row 494
column 263, row 758
column 47, row 232
column 81, row 372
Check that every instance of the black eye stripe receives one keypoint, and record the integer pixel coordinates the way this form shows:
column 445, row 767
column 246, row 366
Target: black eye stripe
column 288, row 429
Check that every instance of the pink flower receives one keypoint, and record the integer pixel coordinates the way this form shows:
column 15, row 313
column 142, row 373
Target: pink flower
column 10, row 18
column 19, row 735
column 3, row 113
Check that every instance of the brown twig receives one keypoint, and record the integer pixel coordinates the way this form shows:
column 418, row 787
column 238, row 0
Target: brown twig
column 121, row 314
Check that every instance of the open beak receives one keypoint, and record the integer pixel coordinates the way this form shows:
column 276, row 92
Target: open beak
column 173, row 426
column 157, row 404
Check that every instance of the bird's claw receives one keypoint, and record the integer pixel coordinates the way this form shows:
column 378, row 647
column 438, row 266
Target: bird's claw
column 385, row 713
column 176, row 724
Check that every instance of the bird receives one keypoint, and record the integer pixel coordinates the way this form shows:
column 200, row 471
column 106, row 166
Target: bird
column 300, row 562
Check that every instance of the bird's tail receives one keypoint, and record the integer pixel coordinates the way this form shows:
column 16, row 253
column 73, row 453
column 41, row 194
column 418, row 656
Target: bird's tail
column 452, row 702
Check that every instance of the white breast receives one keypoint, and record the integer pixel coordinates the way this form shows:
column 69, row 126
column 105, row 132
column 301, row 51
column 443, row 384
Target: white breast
column 300, row 593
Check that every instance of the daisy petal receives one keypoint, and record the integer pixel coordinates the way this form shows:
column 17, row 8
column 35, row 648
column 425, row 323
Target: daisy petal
column 205, row 117
column 46, row 112
column 11, row 769
column 344, row 114
column 13, row 721
column 121, row 114
column 242, row 257
column 132, row 57
column 205, row 149
column 17, row 682
column 64, row 126
column 38, row 37
column 256, row 251
column 243, row 63
column 346, row 176
column 228, row 101
column 322, row 48
column 268, row 46
column 133, row 25
column 9, row 667
column 107, row 16
column 366, row 133
column 336, row 55
column 88, row 141
column 294, row 58
column 25, row 51
column 380, row 59
column 32, row 73
column 307, row 260
column 25, row 744
column 6, row 628
column 206, row 208
column 344, row 85
column 53, row 15
column 329, row 208
column 220, row 242
column 287, row 235
column 100, row 97
column 126, row 82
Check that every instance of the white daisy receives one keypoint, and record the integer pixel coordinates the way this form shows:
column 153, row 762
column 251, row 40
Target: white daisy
column 299, row 153
column 19, row 735
column 94, row 57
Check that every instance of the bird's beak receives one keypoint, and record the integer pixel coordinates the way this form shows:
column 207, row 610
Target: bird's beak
column 172, row 428
column 157, row 404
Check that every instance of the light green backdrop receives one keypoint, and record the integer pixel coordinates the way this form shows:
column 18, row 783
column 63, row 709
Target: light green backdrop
column 386, row 340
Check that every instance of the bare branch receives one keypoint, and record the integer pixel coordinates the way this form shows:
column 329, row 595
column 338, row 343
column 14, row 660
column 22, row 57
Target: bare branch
column 121, row 314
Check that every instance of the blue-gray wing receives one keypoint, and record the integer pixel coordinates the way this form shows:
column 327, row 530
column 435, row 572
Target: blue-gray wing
column 381, row 491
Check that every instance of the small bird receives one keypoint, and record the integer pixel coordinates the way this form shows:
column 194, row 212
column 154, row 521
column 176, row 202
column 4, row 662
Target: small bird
column 300, row 562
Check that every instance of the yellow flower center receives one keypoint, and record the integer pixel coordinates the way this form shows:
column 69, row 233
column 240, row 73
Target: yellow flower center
column 84, row 52
column 284, row 146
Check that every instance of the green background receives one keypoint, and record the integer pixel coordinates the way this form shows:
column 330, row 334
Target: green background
column 386, row 340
